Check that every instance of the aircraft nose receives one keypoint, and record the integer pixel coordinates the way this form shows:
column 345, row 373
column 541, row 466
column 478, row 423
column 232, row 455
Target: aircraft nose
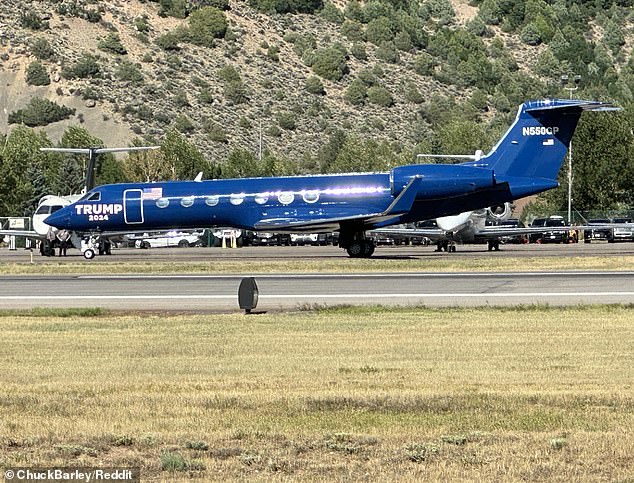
column 59, row 219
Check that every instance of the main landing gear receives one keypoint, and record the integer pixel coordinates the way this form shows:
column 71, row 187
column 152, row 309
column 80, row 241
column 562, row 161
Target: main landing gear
column 446, row 245
column 356, row 244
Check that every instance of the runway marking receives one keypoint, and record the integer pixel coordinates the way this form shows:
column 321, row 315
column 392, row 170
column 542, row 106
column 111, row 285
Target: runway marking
column 325, row 296
column 361, row 275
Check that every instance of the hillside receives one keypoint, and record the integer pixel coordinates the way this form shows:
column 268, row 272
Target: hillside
column 403, row 74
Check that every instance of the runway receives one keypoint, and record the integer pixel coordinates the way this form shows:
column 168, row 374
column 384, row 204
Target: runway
column 283, row 292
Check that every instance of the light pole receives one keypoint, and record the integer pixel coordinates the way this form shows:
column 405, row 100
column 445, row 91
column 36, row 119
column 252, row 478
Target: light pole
column 564, row 83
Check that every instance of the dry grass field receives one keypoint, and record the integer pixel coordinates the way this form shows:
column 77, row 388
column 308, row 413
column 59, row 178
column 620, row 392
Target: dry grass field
column 301, row 264
column 530, row 394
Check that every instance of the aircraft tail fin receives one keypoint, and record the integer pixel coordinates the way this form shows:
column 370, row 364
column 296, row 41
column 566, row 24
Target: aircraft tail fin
column 537, row 142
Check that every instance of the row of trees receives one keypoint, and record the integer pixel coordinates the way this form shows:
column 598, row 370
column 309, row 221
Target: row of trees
column 603, row 161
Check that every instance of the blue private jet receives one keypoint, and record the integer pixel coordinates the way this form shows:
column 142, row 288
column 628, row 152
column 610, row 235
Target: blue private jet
column 524, row 162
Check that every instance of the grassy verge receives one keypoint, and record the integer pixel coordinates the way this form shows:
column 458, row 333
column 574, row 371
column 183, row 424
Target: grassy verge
column 322, row 265
column 532, row 393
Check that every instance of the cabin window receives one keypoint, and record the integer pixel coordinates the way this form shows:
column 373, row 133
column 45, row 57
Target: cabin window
column 212, row 200
column 162, row 202
column 261, row 198
column 187, row 201
column 237, row 199
column 286, row 197
column 311, row 196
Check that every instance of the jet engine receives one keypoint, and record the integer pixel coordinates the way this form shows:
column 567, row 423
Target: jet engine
column 499, row 212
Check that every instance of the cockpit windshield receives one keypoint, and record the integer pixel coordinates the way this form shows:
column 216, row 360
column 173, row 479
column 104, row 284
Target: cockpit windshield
column 48, row 209
column 91, row 196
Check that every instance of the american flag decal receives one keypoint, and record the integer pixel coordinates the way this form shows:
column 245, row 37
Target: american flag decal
column 152, row 193
column 548, row 142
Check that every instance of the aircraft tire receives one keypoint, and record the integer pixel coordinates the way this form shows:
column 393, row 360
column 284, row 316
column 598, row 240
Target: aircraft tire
column 183, row 244
column 368, row 248
column 89, row 254
column 355, row 250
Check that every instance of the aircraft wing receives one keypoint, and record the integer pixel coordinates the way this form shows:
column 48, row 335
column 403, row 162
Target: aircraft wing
column 434, row 234
column 497, row 231
column 401, row 205
column 26, row 233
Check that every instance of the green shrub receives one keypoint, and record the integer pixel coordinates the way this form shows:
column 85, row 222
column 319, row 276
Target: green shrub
column 40, row 112
column 36, row 74
column 85, row 67
column 387, row 51
column 287, row 6
column 530, row 35
column 379, row 95
column 403, row 41
column 141, row 24
column 330, row 63
column 112, row 43
column 219, row 4
column 129, row 72
column 379, row 30
column 356, row 93
column 180, row 98
column 424, row 64
column 233, row 87
column 412, row 94
column 205, row 96
column 42, row 49
column 33, row 21
column 197, row 445
column 287, row 121
column 331, row 13
column 314, row 86
column 358, row 51
column 183, row 124
column 216, row 132
column 168, row 41
column 176, row 462
column 173, row 8
column 274, row 131
column 205, row 25
column 353, row 31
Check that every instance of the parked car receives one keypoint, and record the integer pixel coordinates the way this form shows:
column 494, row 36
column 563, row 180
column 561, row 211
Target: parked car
column 598, row 233
column 169, row 239
column 260, row 238
column 512, row 223
column 624, row 232
column 310, row 239
column 535, row 237
column 563, row 235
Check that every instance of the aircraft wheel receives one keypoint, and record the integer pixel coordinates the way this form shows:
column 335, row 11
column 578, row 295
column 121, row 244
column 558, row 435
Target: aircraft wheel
column 452, row 248
column 355, row 250
column 183, row 244
column 89, row 254
column 368, row 248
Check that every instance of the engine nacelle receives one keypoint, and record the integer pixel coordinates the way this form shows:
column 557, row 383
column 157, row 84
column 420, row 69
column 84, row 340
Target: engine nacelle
column 441, row 180
column 499, row 212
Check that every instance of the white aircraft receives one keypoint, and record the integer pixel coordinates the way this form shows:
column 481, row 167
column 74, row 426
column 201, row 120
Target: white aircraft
column 49, row 204
column 470, row 227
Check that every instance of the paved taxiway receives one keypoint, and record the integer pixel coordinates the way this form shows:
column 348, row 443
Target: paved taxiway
column 204, row 292
column 219, row 292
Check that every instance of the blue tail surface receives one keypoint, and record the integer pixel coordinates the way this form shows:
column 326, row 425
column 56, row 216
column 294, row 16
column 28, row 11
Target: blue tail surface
column 533, row 149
